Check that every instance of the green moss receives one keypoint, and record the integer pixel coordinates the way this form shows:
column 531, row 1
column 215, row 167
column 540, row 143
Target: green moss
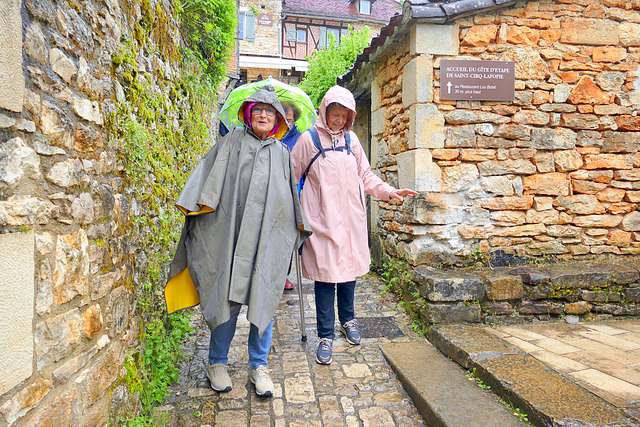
column 564, row 292
column 157, row 152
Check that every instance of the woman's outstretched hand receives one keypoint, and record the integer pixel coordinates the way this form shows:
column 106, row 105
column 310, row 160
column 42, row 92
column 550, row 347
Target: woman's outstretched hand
column 400, row 194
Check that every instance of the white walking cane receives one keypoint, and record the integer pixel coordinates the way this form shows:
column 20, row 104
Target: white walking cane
column 301, row 301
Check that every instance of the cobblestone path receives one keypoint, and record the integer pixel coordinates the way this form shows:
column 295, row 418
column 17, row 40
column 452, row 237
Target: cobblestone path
column 357, row 389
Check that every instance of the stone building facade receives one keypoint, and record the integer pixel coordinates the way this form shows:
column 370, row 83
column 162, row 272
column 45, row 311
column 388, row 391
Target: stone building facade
column 556, row 171
column 67, row 266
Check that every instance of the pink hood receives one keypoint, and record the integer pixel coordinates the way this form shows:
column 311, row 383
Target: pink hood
column 343, row 97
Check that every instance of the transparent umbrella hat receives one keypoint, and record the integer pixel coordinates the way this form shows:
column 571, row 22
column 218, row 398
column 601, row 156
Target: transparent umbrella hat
column 286, row 93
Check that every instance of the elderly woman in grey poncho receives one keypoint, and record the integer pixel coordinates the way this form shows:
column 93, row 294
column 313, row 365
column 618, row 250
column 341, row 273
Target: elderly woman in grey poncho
column 243, row 221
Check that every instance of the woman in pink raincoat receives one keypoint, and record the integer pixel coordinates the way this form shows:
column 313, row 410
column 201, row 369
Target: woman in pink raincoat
column 333, row 200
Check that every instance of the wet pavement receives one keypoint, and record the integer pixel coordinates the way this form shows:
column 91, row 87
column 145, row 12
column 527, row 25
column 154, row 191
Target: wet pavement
column 357, row 389
column 560, row 374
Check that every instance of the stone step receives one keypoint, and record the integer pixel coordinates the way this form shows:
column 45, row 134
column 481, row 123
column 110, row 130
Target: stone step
column 547, row 397
column 441, row 390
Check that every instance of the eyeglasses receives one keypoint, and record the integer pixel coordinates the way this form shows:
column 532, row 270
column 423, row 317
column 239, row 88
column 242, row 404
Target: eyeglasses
column 270, row 111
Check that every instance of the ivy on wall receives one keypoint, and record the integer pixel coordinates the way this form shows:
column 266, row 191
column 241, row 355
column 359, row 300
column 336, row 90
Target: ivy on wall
column 160, row 130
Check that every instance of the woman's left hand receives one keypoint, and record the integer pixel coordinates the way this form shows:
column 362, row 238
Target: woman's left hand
column 399, row 194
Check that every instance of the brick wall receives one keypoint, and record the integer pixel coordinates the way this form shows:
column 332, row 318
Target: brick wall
column 555, row 172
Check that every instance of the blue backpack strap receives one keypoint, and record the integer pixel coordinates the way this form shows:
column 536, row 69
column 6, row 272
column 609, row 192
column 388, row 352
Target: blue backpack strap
column 347, row 141
column 316, row 140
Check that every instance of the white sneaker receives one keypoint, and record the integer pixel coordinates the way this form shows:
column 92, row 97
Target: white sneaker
column 219, row 377
column 260, row 377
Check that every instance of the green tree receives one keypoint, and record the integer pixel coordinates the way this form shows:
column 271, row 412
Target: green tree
column 325, row 66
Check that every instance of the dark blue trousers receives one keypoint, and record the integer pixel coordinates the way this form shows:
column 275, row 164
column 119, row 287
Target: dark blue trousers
column 325, row 311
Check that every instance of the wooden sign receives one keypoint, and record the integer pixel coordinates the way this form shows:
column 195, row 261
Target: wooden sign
column 265, row 19
column 477, row 80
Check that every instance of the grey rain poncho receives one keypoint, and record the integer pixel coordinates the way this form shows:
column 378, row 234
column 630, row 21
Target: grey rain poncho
column 243, row 222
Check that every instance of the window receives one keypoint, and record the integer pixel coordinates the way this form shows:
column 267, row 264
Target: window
column 365, row 7
column 335, row 33
column 301, row 35
column 241, row 29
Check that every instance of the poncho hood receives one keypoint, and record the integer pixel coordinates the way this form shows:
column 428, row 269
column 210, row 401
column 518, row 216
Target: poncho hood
column 265, row 95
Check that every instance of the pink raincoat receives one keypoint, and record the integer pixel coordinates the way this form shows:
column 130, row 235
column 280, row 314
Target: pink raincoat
column 333, row 199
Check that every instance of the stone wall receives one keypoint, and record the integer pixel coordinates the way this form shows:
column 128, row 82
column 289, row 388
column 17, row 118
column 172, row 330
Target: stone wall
column 68, row 268
column 555, row 172
column 522, row 294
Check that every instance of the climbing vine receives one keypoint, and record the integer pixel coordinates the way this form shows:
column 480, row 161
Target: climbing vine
column 160, row 129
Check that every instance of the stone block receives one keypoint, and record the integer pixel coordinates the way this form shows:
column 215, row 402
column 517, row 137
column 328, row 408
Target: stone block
column 25, row 400
column 498, row 185
column 452, row 313
column 11, row 76
column 631, row 294
column 500, row 287
column 521, row 230
column 506, row 167
column 434, row 39
column 416, row 170
column 535, row 293
column 118, row 311
column 497, row 308
column 72, row 267
column 73, row 365
column 427, row 130
column 601, row 176
column 18, row 161
column 465, row 117
column 377, row 122
column 480, row 36
column 437, row 286
column 552, row 247
column 17, row 272
column 375, row 94
column 601, row 296
column 551, row 184
column 578, row 276
column 460, row 137
column 583, row 204
column 459, row 178
column 631, row 222
column 57, row 337
column 540, row 308
column 552, row 139
column 585, row 31
column 629, row 34
column 608, row 161
column 608, row 221
column 508, row 203
column 567, row 160
column 433, row 208
column 417, row 81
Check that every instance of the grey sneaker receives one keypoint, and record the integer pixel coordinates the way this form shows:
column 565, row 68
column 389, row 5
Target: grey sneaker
column 324, row 352
column 260, row 377
column 351, row 333
column 219, row 377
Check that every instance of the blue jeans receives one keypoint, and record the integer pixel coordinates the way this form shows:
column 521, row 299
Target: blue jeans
column 325, row 312
column 221, row 337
